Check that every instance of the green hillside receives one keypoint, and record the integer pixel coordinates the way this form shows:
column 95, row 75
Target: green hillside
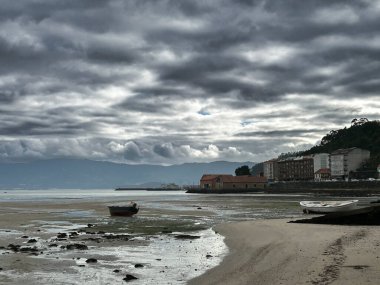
column 362, row 133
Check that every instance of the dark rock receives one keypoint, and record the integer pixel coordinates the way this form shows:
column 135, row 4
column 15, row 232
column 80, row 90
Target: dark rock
column 208, row 256
column 199, row 208
column 14, row 247
column 129, row 277
column 76, row 246
column 81, row 265
column 38, row 230
column 116, row 271
column 62, row 246
column 74, row 234
column 116, row 237
column 1, row 268
column 53, row 245
column 29, row 249
column 101, row 232
column 186, row 237
column 166, row 232
column 138, row 265
column 91, row 260
column 24, row 237
column 158, row 259
column 32, row 240
column 2, row 247
column 90, row 225
column 62, row 235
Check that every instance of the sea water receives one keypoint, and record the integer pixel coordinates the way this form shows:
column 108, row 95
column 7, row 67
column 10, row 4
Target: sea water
column 165, row 259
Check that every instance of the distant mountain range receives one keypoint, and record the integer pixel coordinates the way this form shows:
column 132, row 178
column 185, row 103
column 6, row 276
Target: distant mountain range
column 84, row 174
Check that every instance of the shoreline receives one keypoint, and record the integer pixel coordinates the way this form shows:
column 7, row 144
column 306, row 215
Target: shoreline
column 277, row 252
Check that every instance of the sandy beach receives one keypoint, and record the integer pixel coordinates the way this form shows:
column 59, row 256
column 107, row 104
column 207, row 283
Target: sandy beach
column 276, row 252
column 260, row 251
column 76, row 241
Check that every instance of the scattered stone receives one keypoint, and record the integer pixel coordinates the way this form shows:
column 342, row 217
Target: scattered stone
column 129, row 277
column 90, row 225
column 1, row 268
column 2, row 247
column 208, row 256
column 24, row 237
column 138, row 265
column 186, row 237
column 62, row 246
column 118, row 237
column 62, row 235
column 158, row 259
column 38, row 230
column 53, row 245
column 76, row 246
column 29, row 249
column 32, row 240
column 14, row 247
column 91, row 260
column 81, row 265
column 116, row 271
column 74, row 234
column 199, row 208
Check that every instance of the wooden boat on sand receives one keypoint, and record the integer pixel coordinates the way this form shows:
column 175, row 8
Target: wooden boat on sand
column 324, row 207
column 124, row 210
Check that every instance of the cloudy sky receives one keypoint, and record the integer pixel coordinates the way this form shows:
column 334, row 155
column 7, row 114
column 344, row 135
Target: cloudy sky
column 173, row 81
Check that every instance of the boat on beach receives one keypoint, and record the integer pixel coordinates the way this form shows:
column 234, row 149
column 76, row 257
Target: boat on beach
column 324, row 207
column 124, row 210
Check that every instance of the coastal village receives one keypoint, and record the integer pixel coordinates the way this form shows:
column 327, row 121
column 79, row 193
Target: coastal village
column 339, row 165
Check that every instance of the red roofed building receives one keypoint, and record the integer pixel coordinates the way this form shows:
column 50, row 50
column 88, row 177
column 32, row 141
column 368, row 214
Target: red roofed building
column 226, row 181
column 322, row 174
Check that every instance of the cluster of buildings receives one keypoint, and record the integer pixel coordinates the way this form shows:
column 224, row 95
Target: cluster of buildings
column 340, row 165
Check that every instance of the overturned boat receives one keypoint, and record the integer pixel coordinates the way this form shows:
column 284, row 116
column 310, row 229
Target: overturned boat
column 124, row 210
column 324, row 207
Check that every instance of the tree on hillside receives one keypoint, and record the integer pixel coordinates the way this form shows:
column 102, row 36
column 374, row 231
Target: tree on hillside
column 242, row 170
column 362, row 133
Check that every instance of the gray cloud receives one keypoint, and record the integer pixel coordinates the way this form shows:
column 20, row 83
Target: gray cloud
column 162, row 81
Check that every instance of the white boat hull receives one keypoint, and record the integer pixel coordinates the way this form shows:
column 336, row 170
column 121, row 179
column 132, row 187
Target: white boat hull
column 324, row 207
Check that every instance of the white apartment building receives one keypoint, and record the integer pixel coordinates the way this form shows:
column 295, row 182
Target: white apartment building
column 321, row 161
column 343, row 161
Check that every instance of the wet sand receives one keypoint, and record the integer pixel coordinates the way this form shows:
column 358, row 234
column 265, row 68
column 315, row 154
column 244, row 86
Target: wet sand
column 35, row 235
column 276, row 252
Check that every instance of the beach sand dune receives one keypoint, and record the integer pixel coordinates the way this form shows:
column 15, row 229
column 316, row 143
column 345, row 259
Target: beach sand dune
column 276, row 252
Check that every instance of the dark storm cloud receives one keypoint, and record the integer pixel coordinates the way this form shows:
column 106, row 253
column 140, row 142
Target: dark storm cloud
column 72, row 68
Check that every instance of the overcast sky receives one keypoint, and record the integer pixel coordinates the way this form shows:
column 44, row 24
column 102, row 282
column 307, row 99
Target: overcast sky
column 168, row 82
